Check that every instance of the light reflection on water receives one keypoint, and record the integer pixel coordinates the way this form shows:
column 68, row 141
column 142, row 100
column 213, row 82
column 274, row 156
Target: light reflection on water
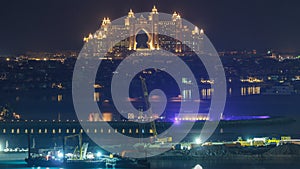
column 205, row 93
column 173, row 164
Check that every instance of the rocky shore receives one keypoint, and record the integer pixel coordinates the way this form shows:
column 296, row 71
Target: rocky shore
column 283, row 153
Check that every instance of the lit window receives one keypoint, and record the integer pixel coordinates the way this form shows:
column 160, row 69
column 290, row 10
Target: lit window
column 59, row 98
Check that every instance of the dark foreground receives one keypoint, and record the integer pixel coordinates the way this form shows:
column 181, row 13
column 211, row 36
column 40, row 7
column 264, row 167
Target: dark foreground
column 278, row 154
column 180, row 164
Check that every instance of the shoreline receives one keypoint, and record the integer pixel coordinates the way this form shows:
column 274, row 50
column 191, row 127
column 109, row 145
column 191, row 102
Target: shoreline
column 235, row 159
column 208, row 160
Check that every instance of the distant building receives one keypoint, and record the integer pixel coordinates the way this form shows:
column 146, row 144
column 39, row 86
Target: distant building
column 7, row 114
column 94, row 117
column 150, row 25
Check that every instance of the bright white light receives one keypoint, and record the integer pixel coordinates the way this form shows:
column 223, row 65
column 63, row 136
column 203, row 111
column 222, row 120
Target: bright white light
column 198, row 167
column 60, row 155
column 90, row 155
column 99, row 154
column 202, row 31
column 198, row 141
column 260, row 139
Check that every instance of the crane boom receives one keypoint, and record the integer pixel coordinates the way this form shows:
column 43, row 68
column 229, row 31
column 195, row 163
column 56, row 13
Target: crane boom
column 79, row 143
column 148, row 106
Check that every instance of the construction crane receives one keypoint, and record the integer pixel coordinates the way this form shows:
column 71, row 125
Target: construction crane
column 148, row 106
column 81, row 147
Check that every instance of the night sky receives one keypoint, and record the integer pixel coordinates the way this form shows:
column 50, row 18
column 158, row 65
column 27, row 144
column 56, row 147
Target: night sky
column 47, row 25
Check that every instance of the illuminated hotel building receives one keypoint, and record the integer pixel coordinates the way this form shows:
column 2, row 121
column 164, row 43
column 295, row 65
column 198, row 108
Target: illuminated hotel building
column 150, row 25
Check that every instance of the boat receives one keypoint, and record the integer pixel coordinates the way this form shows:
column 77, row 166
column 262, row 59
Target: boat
column 80, row 158
column 103, row 162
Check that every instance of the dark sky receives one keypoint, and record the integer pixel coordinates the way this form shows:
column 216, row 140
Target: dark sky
column 230, row 24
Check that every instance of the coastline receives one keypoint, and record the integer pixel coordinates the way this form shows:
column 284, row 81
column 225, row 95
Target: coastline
column 219, row 154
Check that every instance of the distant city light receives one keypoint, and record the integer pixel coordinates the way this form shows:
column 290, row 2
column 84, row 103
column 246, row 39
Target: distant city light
column 201, row 31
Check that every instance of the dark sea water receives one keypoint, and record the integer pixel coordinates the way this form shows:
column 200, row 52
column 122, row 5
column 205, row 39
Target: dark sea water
column 170, row 164
column 44, row 105
column 31, row 105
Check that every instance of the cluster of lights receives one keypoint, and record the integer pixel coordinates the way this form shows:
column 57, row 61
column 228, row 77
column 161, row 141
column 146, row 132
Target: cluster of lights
column 252, row 80
column 92, row 156
column 191, row 119
column 207, row 81
column 60, row 155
